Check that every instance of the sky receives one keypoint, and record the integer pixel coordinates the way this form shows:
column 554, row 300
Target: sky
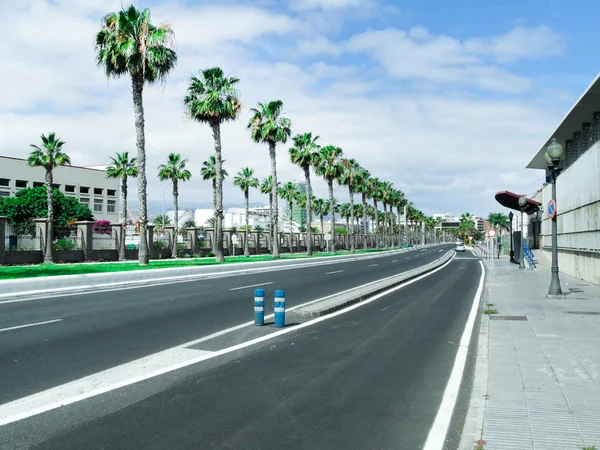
column 447, row 100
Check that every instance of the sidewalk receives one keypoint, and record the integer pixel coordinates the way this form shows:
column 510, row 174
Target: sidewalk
column 537, row 375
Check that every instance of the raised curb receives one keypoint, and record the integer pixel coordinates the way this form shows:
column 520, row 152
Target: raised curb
column 339, row 301
column 76, row 284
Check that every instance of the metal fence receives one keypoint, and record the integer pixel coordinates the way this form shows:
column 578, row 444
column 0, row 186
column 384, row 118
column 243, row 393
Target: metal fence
column 66, row 238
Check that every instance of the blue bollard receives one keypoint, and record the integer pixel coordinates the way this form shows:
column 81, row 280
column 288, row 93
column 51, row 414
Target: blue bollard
column 280, row 308
column 259, row 307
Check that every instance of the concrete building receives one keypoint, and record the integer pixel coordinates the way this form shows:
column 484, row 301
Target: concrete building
column 480, row 224
column 448, row 220
column 89, row 185
column 578, row 190
column 232, row 217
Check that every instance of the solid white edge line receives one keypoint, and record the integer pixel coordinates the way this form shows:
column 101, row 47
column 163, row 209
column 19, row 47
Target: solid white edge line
column 30, row 325
column 439, row 430
column 372, row 265
column 95, row 392
column 335, row 271
column 251, row 286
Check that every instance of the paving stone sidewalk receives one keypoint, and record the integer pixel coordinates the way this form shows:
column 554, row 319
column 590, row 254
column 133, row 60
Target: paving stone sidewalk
column 537, row 376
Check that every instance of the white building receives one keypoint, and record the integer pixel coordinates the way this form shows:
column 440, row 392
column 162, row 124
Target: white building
column 578, row 191
column 89, row 185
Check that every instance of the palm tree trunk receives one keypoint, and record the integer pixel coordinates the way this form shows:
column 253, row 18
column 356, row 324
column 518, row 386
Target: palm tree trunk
column 175, row 220
column 321, row 218
column 49, row 233
column 332, row 212
column 214, row 240
column 376, row 225
column 351, row 230
column 216, row 129
column 385, row 224
column 123, row 218
column 291, row 215
column 364, row 206
column 137, row 83
column 270, row 219
column 309, row 250
column 246, row 249
column 274, row 209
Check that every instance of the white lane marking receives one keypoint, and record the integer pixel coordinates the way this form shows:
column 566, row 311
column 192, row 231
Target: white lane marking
column 335, row 271
column 408, row 257
column 439, row 429
column 395, row 260
column 372, row 265
column 87, row 387
column 440, row 251
column 30, row 325
column 251, row 286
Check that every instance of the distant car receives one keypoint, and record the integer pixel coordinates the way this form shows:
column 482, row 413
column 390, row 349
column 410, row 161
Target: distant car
column 460, row 247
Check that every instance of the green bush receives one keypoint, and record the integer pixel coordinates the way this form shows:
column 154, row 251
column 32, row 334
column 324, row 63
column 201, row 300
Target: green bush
column 63, row 245
column 160, row 245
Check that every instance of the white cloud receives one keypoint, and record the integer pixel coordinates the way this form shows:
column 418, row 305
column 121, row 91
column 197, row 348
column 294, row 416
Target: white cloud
column 419, row 55
column 445, row 150
column 520, row 43
column 319, row 46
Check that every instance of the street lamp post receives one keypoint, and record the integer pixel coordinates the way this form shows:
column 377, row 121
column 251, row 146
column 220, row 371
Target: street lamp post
column 522, row 205
column 553, row 154
column 512, row 252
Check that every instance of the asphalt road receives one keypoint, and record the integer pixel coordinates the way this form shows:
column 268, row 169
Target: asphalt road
column 370, row 378
column 102, row 330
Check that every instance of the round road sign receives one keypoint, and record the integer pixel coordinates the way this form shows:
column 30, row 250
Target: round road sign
column 491, row 233
column 328, row 237
column 551, row 209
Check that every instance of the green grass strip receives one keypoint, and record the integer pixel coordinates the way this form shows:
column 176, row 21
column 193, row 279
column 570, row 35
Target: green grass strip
column 46, row 270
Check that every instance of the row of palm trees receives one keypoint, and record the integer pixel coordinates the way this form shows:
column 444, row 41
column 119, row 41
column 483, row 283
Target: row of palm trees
column 129, row 44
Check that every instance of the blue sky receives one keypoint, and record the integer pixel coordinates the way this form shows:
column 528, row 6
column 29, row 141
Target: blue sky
column 448, row 100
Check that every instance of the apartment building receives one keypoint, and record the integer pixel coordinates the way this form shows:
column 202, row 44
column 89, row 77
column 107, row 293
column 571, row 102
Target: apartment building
column 88, row 185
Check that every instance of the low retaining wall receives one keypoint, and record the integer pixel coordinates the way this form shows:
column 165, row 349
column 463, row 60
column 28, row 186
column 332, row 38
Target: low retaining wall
column 582, row 264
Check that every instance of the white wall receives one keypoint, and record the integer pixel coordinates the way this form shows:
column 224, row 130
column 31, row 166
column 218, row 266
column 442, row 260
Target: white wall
column 578, row 220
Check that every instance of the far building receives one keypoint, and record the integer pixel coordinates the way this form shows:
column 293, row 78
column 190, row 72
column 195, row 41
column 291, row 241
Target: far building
column 88, row 184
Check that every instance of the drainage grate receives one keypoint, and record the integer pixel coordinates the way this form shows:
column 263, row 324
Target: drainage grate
column 583, row 313
column 508, row 317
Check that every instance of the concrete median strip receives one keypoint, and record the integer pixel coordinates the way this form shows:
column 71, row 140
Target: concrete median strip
column 13, row 290
column 342, row 300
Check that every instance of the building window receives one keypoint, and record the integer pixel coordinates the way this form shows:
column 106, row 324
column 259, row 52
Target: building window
column 84, row 190
column 55, row 186
column 69, row 188
column 37, row 184
column 98, row 205
column 85, row 201
column 111, row 206
column 111, row 192
column 98, row 191
column 4, row 193
column 4, row 182
column 21, row 183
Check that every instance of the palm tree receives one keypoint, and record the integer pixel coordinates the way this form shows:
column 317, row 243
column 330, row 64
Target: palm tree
column 270, row 127
column 318, row 207
column 399, row 201
column 348, row 178
column 387, row 192
column 129, row 44
column 161, row 221
column 362, row 177
column 328, row 166
column 175, row 171
column 212, row 99
column 266, row 187
column 245, row 180
column 344, row 210
column 49, row 156
column 303, row 154
column 375, row 192
column 209, row 172
column 122, row 167
column 289, row 192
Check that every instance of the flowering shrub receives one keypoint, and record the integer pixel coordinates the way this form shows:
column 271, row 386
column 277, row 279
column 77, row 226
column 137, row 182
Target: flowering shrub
column 102, row 227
